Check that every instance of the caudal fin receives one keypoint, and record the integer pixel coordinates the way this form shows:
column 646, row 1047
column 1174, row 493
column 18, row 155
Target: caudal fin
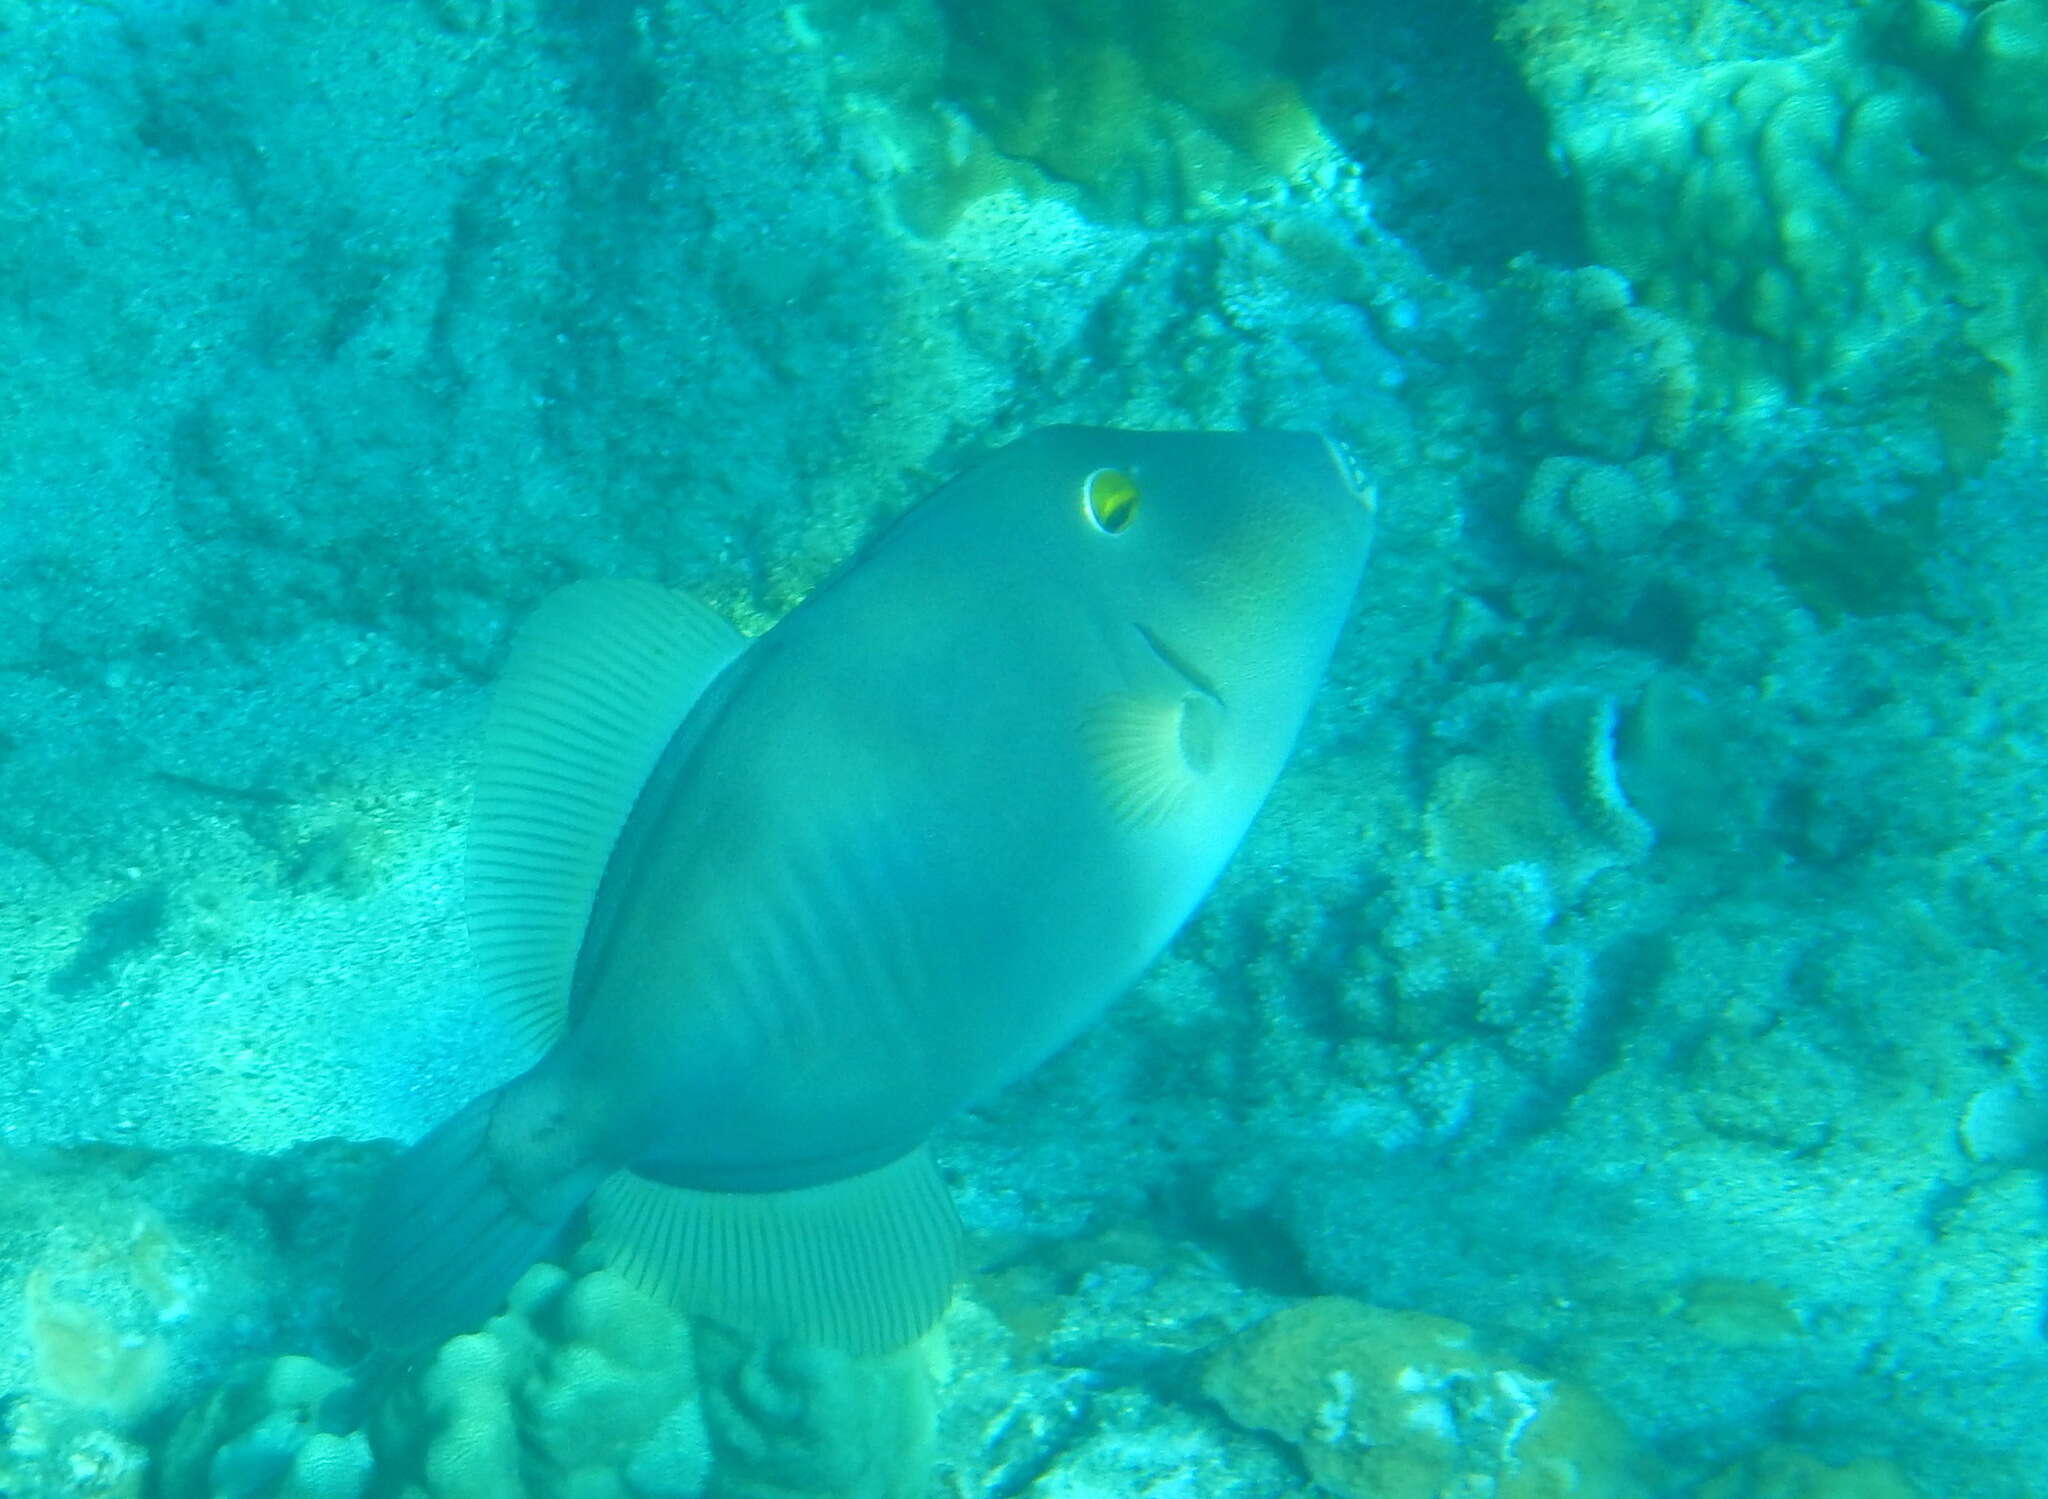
column 443, row 1240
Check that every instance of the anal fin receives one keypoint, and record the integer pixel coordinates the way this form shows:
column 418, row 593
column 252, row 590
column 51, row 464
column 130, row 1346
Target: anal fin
column 865, row 1264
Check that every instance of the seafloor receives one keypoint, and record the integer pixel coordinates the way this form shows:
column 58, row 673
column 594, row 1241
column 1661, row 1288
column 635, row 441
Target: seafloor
column 1613, row 1066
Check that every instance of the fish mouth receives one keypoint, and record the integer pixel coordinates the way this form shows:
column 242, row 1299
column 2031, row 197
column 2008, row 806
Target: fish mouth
column 1178, row 664
column 1351, row 473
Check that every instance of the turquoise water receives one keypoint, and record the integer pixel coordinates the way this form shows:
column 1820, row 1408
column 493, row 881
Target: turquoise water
column 1628, row 1002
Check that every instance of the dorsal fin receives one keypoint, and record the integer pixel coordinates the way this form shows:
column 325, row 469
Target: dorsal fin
column 597, row 683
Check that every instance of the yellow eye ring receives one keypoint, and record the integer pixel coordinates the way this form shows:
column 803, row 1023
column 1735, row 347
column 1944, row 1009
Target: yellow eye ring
column 1109, row 498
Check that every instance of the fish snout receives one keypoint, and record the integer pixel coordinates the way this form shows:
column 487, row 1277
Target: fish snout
column 1351, row 473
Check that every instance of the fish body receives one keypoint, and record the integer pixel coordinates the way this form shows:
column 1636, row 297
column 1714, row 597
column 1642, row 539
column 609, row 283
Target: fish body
column 884, row 860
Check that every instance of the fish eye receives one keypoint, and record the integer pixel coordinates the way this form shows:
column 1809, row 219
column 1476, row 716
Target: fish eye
column 1109, row 498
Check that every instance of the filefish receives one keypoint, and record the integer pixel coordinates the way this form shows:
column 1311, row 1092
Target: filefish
column 777, row 909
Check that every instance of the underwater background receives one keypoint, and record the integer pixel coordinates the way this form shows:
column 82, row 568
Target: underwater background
column 1613, row 1066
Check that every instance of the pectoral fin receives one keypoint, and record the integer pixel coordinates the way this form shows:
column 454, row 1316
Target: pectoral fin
column 1150, row 750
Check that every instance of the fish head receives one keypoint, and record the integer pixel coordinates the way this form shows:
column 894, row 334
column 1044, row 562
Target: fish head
column 1231, row 557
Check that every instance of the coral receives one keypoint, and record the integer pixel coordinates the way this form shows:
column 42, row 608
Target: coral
column 1460, row 947
column 581, row 1387
column 2005, row 1123
column 84, row 1356
column 787, row 1420
column 1677, row 757
column 1777, row 1089
column 1990, row 60
column 1147, row 110
column 1805, row 206
column 1787, row 1473
column 133, row 1279
column 575, row 1385
column 1480, row 997
column 49, row 1449
column 1401, row 1405
column 1062, row 1380
column 274, row 1445
column 1599, row 372
column 1739, row 1313
column 115, row 1251
column 1533, row 783
column 1853, row 562
column 1586, row 512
